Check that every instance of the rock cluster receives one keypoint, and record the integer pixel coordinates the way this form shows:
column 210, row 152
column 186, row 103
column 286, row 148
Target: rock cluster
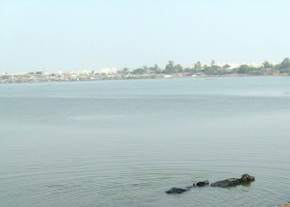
column 245, row 179
column 201, row 183
column 232, row 182
column 176, row 191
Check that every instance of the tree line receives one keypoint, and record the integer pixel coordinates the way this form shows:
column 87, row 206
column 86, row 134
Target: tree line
column 213, row 69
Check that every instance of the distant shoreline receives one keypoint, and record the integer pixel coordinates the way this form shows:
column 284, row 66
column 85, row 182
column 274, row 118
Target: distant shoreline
column 152, row 77
column 171, row 70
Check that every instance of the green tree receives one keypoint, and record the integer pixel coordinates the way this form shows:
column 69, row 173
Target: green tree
column 178, row 68
column 267, row 65
column 246, row 69
column 226, row 66
column 169, row 68
column 155, row 69
column 138, row 71
column 197, row 66
column 188, row 70
column 284, row 66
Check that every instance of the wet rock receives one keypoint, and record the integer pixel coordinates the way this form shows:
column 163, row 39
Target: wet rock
column 232, row 182
column 246, row 178
column 176, row 190
column 201, row 183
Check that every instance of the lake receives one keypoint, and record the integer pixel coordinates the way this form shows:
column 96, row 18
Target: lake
column 124, row 143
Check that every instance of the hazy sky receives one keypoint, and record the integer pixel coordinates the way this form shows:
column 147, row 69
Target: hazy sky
column 56, row 35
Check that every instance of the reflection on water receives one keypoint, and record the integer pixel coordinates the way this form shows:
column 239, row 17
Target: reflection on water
column 123, row 143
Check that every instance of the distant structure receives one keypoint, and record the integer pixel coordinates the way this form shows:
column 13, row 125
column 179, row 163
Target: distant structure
column 171, row 70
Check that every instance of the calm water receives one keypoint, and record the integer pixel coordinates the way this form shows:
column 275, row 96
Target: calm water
column 123, row 143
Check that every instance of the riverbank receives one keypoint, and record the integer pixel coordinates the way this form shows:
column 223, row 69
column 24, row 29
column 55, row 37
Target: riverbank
column 44, row 78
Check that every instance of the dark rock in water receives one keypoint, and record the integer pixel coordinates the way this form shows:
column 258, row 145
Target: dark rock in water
column 176, row 191
column 247, row 179
column 232, row 182
column 201, row 183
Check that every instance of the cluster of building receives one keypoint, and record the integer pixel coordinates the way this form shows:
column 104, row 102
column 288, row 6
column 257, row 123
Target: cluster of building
column 79, row 76
column 49, row 77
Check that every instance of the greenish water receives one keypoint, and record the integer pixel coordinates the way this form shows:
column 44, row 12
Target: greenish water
column 123, row 143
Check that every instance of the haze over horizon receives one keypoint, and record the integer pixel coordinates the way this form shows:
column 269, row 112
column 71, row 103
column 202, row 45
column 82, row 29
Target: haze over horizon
column 67, row 35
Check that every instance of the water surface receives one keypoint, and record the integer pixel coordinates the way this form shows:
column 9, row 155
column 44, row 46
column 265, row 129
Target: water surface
column 123, row 143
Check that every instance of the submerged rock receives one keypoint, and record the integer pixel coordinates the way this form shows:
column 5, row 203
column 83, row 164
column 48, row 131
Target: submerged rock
column 176, row 190
column 246, row 178
column 201, row 183
column 286, row 205
column 232, row 182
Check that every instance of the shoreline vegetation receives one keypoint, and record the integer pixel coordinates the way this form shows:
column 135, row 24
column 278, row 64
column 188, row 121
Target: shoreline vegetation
column 171, row 70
